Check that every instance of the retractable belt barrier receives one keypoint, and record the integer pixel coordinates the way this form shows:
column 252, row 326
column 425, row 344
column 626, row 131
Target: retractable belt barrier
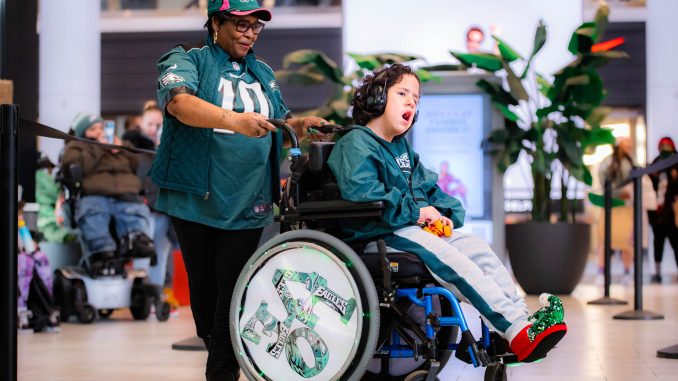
column 37, row 129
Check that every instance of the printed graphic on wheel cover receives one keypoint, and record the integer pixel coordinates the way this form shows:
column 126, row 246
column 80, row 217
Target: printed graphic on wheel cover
column 288, row 334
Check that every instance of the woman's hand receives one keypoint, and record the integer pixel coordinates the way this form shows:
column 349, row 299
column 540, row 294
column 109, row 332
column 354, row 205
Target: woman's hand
column 300, row 126
column 252, row 124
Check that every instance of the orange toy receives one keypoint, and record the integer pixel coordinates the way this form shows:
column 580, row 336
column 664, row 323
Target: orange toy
column 439, row 229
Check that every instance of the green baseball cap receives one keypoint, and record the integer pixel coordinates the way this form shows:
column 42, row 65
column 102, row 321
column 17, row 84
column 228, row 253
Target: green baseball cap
column 239, row 8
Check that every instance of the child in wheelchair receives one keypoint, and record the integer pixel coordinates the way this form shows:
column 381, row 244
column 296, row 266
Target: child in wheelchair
column 109, row 195
column 373, row 162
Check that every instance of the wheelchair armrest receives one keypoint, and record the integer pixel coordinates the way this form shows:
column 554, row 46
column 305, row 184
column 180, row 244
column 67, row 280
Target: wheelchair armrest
column 334, row 209
column 341, row 208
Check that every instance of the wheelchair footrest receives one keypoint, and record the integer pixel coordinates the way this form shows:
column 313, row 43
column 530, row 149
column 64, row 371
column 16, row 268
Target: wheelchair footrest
column 470, row 352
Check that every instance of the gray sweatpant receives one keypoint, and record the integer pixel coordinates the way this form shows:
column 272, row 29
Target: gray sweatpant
column 467, row 266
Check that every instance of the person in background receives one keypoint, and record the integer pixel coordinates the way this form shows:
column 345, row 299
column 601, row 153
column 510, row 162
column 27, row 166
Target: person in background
column 164, row 238
column 217, row 162
column 47, row 194
column 110, row 190
column 132, row 122
column 474, row 39
column 662, row 220
column 374, row 162
column 617, row 168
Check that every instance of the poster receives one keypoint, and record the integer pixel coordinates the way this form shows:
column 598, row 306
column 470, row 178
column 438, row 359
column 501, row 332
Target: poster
column 447, row 136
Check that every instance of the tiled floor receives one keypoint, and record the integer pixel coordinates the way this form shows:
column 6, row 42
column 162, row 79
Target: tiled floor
column 596, row 347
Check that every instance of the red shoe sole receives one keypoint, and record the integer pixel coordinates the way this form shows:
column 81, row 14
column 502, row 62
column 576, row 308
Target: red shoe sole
column 545, row 342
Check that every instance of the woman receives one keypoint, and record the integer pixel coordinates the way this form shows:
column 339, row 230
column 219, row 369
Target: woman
column 217, row 161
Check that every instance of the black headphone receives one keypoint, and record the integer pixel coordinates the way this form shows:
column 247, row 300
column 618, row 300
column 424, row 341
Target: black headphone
column 375, row 104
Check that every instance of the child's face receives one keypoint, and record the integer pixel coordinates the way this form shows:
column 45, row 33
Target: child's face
column 96, row 132
column 401, row 105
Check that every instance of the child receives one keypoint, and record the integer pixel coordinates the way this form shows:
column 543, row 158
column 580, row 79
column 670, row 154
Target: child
column 110, row 189
column 374, row 162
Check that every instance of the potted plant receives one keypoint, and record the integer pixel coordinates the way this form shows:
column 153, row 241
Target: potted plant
column 553, row 122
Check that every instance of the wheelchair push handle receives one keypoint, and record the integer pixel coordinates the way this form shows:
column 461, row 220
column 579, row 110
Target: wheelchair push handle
column 281, row 124
column 327, row 128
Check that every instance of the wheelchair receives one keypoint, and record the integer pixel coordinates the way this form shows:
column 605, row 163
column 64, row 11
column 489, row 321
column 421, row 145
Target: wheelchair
column 309, row 306
column 93, row 289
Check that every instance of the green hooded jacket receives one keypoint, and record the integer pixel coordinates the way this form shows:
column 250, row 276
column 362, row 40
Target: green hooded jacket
column 368, row 168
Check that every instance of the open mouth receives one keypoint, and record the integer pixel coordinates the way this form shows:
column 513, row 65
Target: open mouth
column 407, row 116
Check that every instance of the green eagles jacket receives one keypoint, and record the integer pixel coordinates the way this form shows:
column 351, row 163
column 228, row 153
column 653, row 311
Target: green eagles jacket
column 183, row 155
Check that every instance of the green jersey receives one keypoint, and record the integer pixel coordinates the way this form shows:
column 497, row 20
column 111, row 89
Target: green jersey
column 239, row 169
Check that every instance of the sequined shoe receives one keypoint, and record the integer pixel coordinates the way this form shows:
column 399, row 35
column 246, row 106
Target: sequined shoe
column 547, row 329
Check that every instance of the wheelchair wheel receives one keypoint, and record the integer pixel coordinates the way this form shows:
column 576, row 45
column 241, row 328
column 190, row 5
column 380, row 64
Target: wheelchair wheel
column 398, row 369
column 63, row 295
column 141, row 304
column 496, row 372
column 105, row 313
column 419, row 375
column 304, row 308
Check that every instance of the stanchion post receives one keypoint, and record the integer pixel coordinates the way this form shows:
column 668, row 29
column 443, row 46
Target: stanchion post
column 9, row 123
column 637, row 313
column 607, row 250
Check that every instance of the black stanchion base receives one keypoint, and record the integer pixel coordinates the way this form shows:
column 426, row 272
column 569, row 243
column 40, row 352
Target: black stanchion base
column 638, row 315
column 668, row 352
column 607, row 301
column 191, row 344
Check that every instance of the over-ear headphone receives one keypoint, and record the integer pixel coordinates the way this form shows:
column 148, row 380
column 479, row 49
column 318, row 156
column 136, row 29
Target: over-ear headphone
column 375, row 103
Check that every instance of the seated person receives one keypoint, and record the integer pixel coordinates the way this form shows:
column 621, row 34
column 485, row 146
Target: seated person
column 110, row 189
column 47, row 195
column 374, row 162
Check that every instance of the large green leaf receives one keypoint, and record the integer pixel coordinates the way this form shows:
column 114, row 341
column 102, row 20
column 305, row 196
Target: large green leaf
column 496, row 92
column 582, row 38
column 506, row 50
column 427, row 76
column 392, row 58
column 299, row 78
column 600, row 20
column 443, row 67
column 543, row 84
column 368, row 62
column 570, row 153
column 539, row 41
column 515, row 84
column 598, row 136
column 597, row 116
column 578, row 80
column 599, row 200
column 508, row 114
column 599, row 59
column 323, row 63
column 485, row 61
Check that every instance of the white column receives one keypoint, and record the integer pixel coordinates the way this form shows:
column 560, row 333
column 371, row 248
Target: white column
column 662, row 79
column 70, row 64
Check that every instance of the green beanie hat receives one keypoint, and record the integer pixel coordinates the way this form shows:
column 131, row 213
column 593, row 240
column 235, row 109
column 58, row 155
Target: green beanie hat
column 82, row 122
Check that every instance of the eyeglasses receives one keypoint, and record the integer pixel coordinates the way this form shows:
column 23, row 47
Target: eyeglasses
column 242, row 26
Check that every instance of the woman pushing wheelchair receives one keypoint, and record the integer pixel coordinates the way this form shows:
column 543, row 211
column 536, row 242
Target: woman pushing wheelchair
column 374, row 162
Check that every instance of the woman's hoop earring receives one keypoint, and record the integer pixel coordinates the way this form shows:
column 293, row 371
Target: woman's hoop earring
column 214, row 38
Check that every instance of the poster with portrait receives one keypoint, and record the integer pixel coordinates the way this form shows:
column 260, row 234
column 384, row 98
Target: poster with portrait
column 447, row 136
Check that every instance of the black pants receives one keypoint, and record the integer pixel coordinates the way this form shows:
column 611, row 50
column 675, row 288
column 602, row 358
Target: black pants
column 214, row 259
column 663, row 229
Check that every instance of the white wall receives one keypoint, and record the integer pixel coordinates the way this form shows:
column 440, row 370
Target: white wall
column 70, row 65
column 662, row 79
column 432, row 28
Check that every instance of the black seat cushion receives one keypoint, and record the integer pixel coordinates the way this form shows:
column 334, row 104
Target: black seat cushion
column 404, row 266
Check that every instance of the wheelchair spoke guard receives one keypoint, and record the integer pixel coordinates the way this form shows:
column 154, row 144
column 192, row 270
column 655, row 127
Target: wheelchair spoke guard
column 304, row 308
